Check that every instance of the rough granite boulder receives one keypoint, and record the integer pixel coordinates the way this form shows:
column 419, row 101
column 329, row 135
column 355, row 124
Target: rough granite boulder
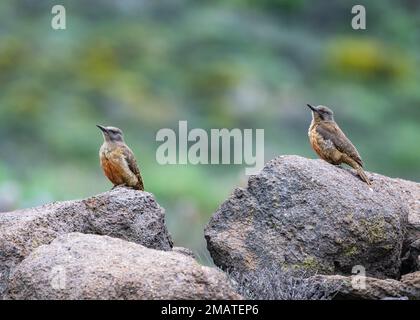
column 311, row 215
column 122, row 213
column 81, row 266
column 352, row 288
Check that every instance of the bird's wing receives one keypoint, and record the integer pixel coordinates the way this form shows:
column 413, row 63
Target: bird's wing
column 333, row 133
column 132, row 165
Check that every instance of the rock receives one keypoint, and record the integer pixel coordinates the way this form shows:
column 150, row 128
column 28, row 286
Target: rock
column 123, row 213
column 307, row 214
column 371, row 288
column 411, row 250
column 410, row 192
column 82, row 266
column 412, row 280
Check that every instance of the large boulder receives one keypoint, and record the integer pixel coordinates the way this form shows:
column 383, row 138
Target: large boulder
column 307, row 214
column 123, row 213
column 81, row 266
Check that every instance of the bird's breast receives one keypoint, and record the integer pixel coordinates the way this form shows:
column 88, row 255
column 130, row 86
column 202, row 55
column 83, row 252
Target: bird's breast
column 113, row 164
column 314, row 139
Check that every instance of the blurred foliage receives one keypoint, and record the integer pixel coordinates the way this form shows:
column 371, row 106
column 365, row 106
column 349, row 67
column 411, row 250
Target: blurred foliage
column 144, row 65
column 367, row 58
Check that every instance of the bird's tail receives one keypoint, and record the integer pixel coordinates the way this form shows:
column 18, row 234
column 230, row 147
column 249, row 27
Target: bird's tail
column 363, row 175
column 358, row 169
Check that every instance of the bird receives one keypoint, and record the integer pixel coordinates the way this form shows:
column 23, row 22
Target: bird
column 117, row 160
column 330, row 143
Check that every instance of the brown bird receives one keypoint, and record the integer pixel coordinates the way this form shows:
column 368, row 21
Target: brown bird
column 331, row 144
column 117, row 160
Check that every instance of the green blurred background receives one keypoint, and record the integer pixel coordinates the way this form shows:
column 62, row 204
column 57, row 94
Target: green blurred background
column 143, row 65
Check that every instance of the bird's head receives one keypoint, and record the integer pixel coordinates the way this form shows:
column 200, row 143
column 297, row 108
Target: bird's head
column 321, row 113
column 111, row 134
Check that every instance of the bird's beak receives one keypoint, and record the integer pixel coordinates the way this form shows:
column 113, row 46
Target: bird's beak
column 312, row 108
column 103, row 129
